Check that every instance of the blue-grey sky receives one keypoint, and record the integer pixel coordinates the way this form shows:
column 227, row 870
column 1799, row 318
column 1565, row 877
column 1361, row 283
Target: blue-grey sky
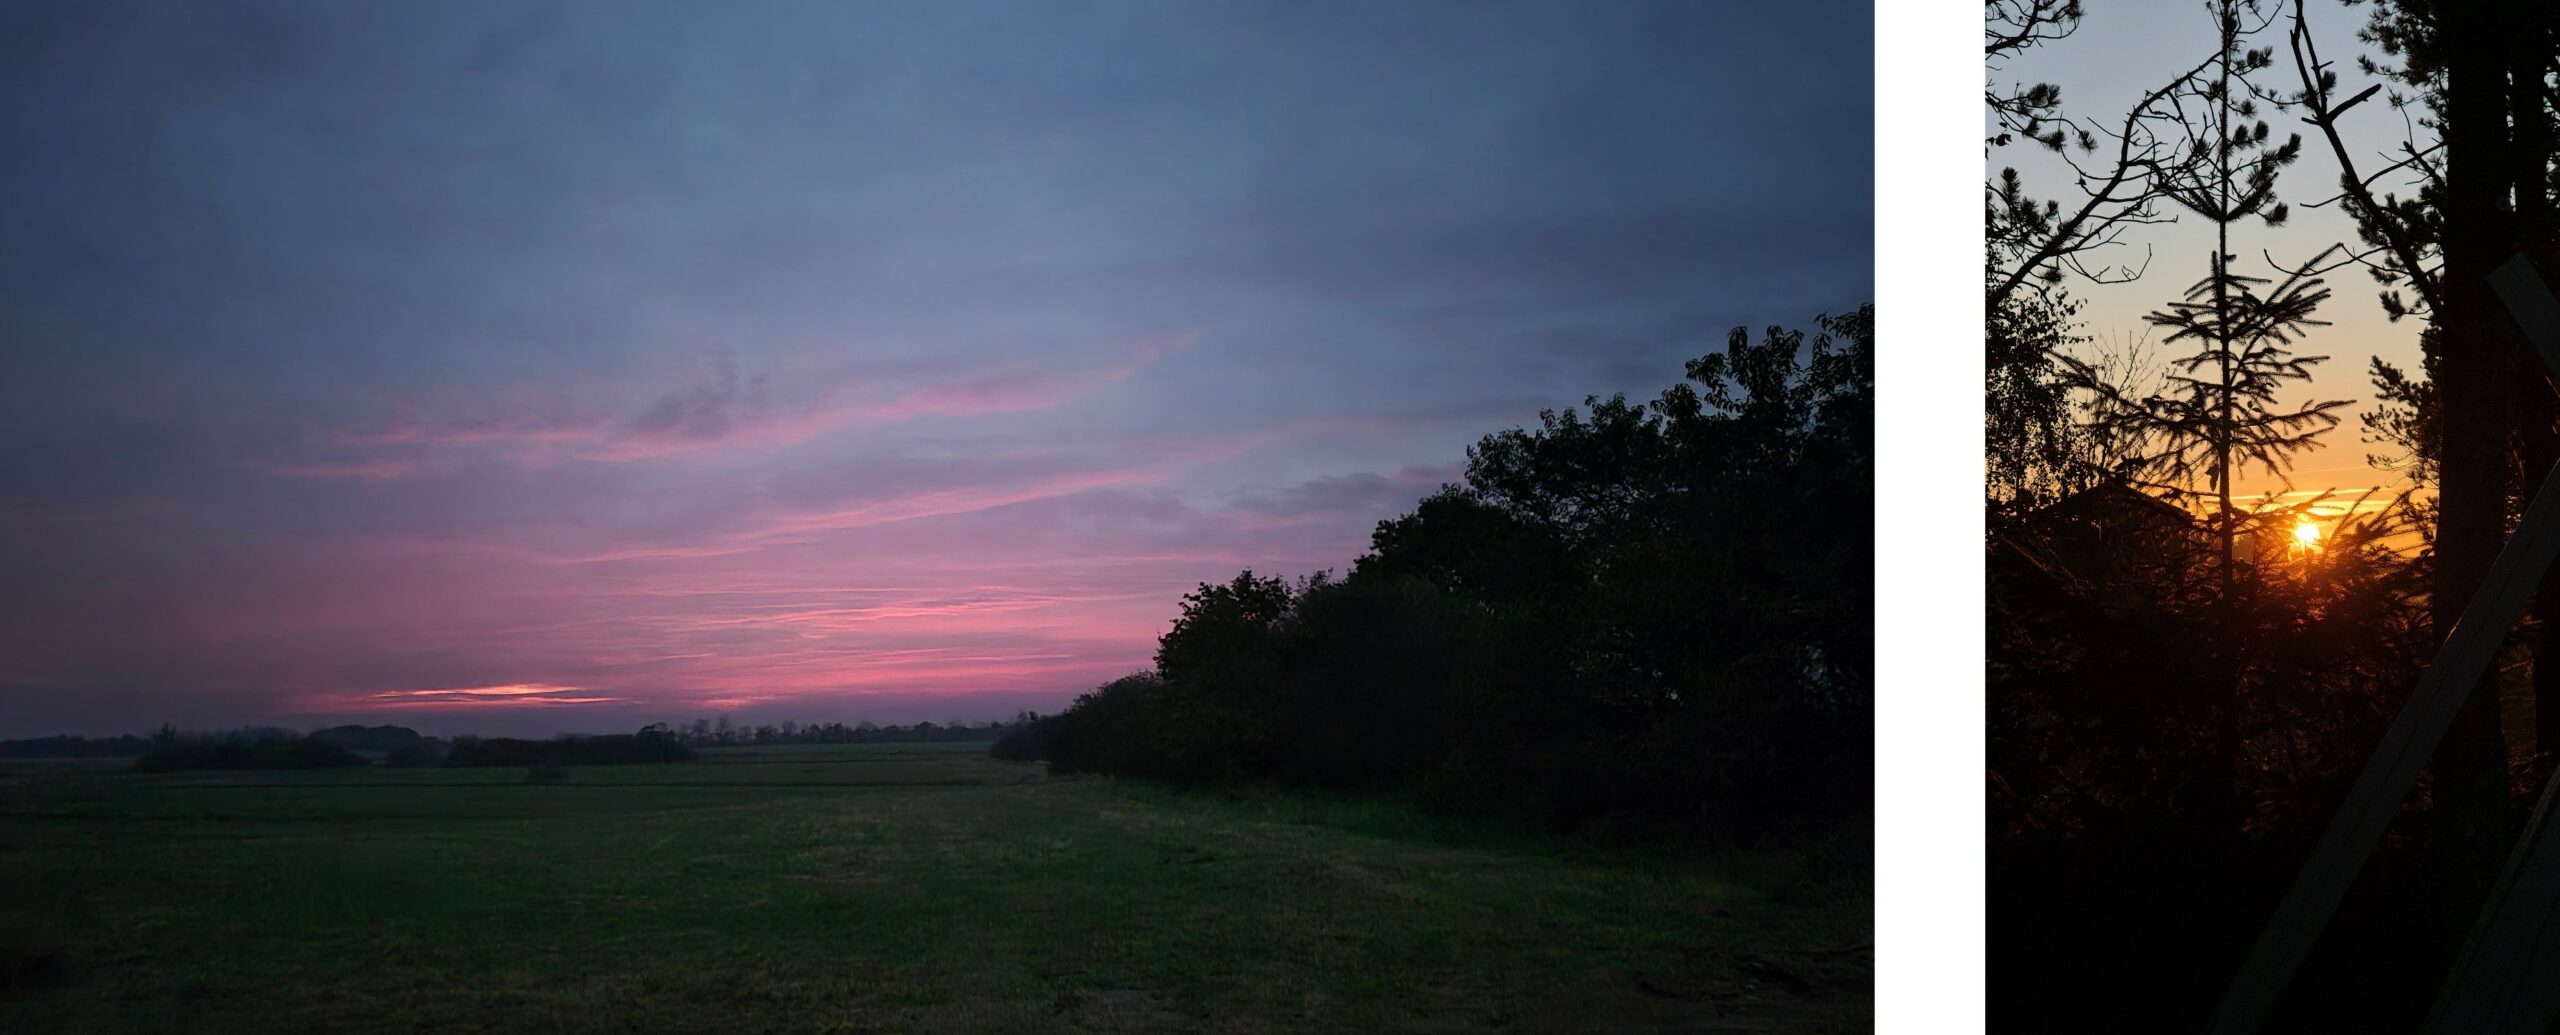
column 568, row 366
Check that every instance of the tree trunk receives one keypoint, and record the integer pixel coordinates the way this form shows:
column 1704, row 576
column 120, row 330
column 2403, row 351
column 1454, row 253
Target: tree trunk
column 2478, row 355
column 2538, row 407
column 2223, row 809
column 2538, row 447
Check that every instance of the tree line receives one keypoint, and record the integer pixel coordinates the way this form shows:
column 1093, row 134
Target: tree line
column 1653, row 618
column 275, row 747
column 268, row 747
column 720, row 732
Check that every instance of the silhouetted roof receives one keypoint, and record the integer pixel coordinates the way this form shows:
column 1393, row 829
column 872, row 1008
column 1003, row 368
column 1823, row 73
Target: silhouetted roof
column 2111, row 502
column 2089, row 533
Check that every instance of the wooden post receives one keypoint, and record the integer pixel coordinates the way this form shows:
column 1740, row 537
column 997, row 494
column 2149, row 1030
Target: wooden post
column 2508, row 975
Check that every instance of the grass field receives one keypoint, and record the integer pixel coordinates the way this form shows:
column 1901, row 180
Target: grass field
column 869, row 888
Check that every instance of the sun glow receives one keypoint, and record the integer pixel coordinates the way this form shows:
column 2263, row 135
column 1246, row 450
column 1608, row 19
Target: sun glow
column 2306, row 534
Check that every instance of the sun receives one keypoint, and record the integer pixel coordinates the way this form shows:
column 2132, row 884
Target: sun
column 2307, row 534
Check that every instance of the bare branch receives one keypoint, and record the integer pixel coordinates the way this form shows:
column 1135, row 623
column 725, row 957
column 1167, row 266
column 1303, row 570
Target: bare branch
column 2134, row 173
column 2378, row 224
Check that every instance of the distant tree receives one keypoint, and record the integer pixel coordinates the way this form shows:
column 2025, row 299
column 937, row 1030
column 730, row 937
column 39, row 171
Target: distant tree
column 1029, row 736
column 426, row 752
column 249, row 748
column 379, row 740
column 649, row 745
column 126, row 746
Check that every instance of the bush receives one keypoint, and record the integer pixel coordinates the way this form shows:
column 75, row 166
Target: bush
column 427, row 751
column 1027, row 738
column 371, row 740
column 1109, row 730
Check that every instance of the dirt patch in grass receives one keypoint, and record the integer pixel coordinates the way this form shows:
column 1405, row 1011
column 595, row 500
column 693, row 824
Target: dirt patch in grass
column 33, row 961
column 1734, row 1002
column 27, row 973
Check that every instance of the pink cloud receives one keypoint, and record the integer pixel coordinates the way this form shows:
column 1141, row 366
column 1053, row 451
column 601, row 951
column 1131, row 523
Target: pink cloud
column 948, row 502
column 509, row 695
column 1001, row 393
column 718, row 410
column 1149, row 350
column 373, row 469
column 797, row 593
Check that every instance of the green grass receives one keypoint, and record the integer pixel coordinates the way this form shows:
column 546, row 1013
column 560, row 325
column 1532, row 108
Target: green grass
column 869, row 888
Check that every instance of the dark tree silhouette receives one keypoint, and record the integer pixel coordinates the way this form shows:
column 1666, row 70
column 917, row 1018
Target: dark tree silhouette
column 1650, row 618
column 2482, row 72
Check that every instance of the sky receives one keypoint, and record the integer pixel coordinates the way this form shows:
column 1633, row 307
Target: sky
column 526, row 368
column 2122, row 51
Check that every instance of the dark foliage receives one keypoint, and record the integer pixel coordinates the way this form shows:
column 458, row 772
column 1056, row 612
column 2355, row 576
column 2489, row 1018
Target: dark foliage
column 1655, row 618
column 2036, row 449
column 1024, row 739
column 651, row 745
column 2113, row 876
column 126, row 746
column 428, row 751
column 262, row 748
column 372, row 740
column 720, row 733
